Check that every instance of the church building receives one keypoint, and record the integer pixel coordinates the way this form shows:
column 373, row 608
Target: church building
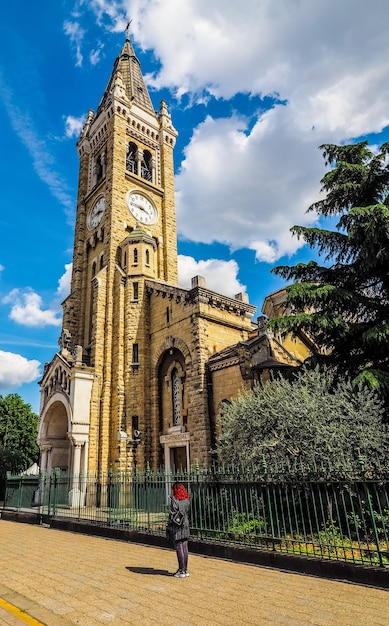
column 138, row 352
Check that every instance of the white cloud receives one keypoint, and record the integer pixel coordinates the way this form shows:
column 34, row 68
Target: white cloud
column 76, row 35
column 73, row 125
column 220, row 276
column 253, row 187
column 104, row 9
column 94, row 56
column 63, row 289
column 26, row 309
column 15, row 370
column 326, row 60
column 265, row 48
column 2, row 268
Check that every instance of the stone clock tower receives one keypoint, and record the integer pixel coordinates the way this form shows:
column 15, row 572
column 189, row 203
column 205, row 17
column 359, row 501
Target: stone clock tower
column 134, row 345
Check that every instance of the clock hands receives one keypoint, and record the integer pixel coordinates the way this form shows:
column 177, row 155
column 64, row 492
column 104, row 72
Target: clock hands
column 96, row 213
column 141, row 208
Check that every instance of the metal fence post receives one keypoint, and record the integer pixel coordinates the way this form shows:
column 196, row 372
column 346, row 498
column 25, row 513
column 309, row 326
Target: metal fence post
column 200, row 495
column 268, row 498
column 371, row 510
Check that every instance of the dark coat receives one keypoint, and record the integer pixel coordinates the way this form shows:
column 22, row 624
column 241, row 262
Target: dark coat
column 174, row 532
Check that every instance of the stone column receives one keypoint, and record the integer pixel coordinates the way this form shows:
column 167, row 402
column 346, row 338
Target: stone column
column 153, row 174
column 103, row 164
column 140, row 159
column 44, row 458
column 75, row 493
column 76, row 460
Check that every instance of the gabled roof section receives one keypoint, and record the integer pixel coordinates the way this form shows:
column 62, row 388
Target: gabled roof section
column 260, row 352
column 128, row 65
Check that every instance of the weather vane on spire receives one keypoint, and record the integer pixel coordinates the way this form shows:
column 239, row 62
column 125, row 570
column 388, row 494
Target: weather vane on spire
column 127, row 31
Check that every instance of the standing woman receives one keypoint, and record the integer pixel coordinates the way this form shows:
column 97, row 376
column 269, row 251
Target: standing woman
column 177, row 529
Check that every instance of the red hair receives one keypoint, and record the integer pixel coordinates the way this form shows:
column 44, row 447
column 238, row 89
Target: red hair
column 179, row 492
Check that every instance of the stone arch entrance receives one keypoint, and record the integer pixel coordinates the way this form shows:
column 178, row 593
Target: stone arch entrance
column 173, row 396
column 53, row 438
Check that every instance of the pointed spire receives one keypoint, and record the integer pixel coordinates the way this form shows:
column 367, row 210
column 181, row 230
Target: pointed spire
column 127, row 64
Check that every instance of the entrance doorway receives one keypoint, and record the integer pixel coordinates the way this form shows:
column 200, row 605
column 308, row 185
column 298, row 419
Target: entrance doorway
column 178, row 459
column 176, row 451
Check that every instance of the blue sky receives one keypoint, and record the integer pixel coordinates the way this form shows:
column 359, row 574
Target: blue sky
column 253, row 89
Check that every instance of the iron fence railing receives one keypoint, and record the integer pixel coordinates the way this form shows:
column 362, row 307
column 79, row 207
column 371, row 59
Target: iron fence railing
column 329, row 518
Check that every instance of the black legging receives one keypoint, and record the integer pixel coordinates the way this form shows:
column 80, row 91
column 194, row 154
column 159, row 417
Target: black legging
column 181, row 548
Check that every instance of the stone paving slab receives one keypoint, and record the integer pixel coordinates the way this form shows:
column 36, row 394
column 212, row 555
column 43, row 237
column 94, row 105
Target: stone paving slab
column 62, row 578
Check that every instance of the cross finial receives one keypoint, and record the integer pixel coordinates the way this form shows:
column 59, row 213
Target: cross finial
column 127, row 31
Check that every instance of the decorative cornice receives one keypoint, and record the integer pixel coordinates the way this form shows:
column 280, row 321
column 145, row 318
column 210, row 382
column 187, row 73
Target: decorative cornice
column 179, row 294
column 143, row 137
column 201, row 295
column 217, row 300
column 220, row 365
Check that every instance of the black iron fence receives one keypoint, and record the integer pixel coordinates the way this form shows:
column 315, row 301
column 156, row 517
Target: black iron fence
column 341, row 515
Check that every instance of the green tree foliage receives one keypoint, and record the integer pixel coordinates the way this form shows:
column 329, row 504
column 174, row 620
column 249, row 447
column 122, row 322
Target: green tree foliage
column 311, row 417
column 343, row 305
column 18, row 432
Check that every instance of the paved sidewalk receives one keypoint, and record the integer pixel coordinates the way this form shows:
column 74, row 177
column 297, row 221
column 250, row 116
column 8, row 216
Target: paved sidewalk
column 63, row 578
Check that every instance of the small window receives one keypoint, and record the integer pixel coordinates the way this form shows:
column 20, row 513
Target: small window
column 167, row 315
column 135, row 353
column 135, row 255
column 124, row 259
column 134, row 422
column 102, row 261
column 135, row 291
column 176, row 400
column 147, row 257
column 93, row 269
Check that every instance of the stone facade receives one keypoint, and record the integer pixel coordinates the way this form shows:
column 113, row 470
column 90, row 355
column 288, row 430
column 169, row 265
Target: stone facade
column 137, row 352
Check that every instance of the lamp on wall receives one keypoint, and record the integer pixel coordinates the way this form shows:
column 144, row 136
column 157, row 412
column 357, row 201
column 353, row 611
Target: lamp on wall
column 131, row 444
column 134, row 443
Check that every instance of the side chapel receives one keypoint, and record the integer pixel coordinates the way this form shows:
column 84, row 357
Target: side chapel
column 138, row 352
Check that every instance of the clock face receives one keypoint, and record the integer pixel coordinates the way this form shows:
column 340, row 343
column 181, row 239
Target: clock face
column 97, row 212
column 141, row 208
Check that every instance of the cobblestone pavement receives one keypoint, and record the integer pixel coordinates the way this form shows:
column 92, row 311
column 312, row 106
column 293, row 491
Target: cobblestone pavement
column 62, row 578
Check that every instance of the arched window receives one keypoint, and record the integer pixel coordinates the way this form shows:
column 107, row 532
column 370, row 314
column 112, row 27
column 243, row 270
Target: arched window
column 98, row 170
column 147, row 257
column 102, row 261
column 93, row 269
column 146, row 166
column 132, row 158
column 135, row 255
column 176, row 400
column 100, row 167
